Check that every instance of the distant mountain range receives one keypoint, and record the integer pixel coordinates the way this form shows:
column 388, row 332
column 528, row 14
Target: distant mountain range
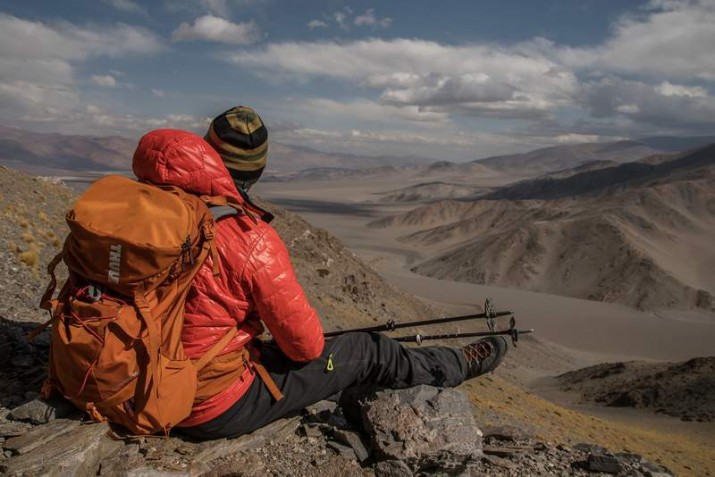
column 43, row 153
column 541, row 161
column 549, row 159
column 638, row 233
column 58, row 154
column 592, row 177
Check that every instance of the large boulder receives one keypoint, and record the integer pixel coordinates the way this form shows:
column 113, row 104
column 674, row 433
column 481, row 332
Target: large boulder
column 430, row 429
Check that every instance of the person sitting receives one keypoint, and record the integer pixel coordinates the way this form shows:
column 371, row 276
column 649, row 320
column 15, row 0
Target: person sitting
column 258, row 287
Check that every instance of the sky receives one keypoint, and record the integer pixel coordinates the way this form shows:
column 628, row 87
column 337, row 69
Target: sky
column 448, row 80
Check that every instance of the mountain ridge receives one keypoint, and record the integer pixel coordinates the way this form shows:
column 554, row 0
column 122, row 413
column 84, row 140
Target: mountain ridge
column 644, row 244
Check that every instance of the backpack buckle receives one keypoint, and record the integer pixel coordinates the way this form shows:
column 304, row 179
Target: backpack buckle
column 94, row 293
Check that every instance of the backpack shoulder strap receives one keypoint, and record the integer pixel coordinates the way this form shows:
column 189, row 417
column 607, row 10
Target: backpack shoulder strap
column 221, row 211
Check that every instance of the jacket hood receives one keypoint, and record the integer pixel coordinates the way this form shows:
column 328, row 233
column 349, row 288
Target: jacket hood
column 182, row 159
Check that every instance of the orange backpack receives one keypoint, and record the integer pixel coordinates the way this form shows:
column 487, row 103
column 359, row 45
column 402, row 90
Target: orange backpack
column 132, row 252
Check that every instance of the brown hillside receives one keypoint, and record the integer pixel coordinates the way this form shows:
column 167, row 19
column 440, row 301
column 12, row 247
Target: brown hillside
column 682, row 389
column 644, row 242
column 428, row 192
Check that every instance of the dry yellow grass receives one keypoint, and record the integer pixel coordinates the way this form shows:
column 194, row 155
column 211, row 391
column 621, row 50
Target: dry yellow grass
column 14, row 248
column 500, row 401
column 28, row 237
column 30, row 258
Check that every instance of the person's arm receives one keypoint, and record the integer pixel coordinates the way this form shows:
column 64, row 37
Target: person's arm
column 280, row 300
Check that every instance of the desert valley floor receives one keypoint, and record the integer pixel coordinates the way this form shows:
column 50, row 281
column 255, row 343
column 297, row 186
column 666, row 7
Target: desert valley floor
column 592, row 331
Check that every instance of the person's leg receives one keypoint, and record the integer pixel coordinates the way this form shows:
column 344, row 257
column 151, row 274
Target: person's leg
column 348, row 360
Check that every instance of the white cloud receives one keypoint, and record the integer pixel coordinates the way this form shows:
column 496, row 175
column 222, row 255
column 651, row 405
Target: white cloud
column 313, row 24
column 442, row 89
column 65, row 41
column 20, row 98
column 93, row 119
column 644, row 104
column 211, row 28
column 369, row 19
column 628, row 109
column 501, row 82
column 38, row 61
column 574, row 138
column 159, row 93
column 671, row 38
column 667, row 88
column 367, row 110
column 126, row 6
column 356, row 137
column 107, row 81
column 664, row 50
column 340, row 19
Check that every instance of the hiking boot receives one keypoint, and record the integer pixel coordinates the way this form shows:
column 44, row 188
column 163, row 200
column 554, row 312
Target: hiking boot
column 483, row 356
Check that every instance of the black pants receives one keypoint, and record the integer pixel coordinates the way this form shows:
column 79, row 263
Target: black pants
column 358, row 359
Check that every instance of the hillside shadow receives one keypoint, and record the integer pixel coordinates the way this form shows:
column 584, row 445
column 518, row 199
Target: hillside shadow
column 591, row 181
column 23, row 366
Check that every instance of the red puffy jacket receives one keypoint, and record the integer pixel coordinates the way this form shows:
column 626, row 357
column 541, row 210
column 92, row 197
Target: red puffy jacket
column 257, row 281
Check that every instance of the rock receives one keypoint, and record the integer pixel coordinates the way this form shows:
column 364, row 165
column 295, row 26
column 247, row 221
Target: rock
column 12, row 429
column 211, row 450
column 144, row 471
column 499, row 462
column 392, row 468
column 353, row 440
column 311, row 430
column 342, row 450
column 121, row 462
column 39, row 411
column 603, row 463
column 590, row 448
column 321, row 406
column 71, row 453
column 505, row 451
column 649, row 466
column 422, row 424
column 39, row 436
column 506, row 433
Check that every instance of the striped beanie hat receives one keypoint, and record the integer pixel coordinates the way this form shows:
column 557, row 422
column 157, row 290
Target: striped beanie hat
column 241, row 139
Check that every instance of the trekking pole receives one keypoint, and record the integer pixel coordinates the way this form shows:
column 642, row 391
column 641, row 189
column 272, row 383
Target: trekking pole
column 392, row 325
column 512, row 331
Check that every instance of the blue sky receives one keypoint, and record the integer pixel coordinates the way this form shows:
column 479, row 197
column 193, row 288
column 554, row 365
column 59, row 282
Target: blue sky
column 450, row 80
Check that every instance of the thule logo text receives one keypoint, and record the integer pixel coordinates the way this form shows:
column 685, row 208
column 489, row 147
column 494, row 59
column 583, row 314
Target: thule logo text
column 115, row 258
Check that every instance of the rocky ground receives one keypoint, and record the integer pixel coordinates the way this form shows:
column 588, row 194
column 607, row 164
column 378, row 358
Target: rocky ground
column 39, row 438
column 683, row 389
column 418, row 431
column 32, row 230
